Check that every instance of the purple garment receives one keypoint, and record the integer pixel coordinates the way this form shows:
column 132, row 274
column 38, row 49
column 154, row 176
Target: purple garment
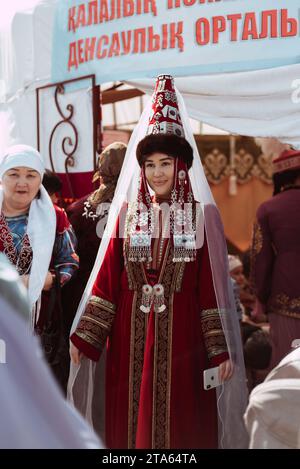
column 283, row 330
column 277, row 253
column 276, row 264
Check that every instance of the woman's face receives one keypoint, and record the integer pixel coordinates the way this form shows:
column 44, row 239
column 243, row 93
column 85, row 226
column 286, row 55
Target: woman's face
column 159, row 171
column 20, row 186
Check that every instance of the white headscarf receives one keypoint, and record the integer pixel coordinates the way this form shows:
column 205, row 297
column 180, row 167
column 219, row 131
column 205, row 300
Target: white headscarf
column 41, row 225
column 24, row 156
column 234, row 262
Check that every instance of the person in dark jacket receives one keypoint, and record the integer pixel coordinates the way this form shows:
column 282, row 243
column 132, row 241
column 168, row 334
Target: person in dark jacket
column 276, row 255
column 87, row 216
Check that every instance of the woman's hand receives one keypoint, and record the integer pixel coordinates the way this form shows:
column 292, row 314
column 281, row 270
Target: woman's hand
column 75, row 354
column 49, row 281
column 225, row 370
column 25, row 280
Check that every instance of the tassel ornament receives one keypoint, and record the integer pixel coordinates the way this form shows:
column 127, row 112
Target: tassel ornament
column 147, row 291
column 159, row 298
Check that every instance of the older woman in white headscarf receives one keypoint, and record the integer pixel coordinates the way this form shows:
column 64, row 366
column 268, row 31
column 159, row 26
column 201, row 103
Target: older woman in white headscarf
column 35, row 236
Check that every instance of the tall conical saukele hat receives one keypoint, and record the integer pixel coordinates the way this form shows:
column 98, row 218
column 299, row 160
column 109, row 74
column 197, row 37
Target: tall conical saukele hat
column 165, row 117
column 165, row 133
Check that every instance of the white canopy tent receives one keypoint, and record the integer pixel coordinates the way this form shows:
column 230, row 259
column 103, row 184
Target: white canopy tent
column 25, row 64
column 260, row 103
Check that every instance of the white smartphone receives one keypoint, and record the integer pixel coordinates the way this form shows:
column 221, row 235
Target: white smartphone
column 211, row 378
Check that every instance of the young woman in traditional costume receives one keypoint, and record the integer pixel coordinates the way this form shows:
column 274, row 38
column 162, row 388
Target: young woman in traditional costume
column 154, row 302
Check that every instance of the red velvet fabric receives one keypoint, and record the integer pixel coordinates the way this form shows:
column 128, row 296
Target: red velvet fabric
column 193, row 412
column 89, row 351
column 81, row 184
column 62, row 222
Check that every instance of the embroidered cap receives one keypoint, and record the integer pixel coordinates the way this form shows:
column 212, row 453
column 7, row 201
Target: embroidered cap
column 288, row 160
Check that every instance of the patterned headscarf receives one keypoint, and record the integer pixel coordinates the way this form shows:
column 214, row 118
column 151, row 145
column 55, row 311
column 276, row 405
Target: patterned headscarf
column 109, row 166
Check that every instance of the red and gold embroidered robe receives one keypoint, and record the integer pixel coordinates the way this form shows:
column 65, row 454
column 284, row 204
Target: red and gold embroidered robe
column 155, row 362
column 66, row 262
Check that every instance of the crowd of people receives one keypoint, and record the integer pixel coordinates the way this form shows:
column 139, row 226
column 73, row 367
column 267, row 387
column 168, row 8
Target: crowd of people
column 136, row 275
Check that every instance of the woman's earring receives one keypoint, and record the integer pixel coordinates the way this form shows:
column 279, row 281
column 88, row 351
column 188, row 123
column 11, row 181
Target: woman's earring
column 182, row 178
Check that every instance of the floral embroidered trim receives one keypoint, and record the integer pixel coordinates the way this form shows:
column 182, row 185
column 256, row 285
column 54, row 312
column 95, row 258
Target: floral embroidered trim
column 257, row 238
column 134, row 275
column 21, row 261
column 24, row 261
column 162, row 373
column 214, row 338
column 96, row 300
column 180, row 268
column 129, row 266
column 139, row 323
column 163, row 351
column 257, row 244
column 96, row 322
column 88, row 211
column 285, row 306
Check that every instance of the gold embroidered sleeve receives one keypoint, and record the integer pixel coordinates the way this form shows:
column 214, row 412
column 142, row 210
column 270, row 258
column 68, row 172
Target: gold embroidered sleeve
column 263, row 254
column 257, row 238
column 96, row 322
column 214, row 338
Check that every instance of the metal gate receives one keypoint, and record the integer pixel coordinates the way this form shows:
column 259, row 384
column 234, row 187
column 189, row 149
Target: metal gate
column 69, row 131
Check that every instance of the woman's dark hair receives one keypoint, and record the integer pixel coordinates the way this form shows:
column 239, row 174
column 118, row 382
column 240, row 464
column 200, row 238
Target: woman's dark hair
column 285, row 180
column 51, row 182
column 169, row 144
column 256, row 347
column 246, row 261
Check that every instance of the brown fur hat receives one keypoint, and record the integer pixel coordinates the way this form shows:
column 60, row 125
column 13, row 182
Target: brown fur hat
column 169, row 144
